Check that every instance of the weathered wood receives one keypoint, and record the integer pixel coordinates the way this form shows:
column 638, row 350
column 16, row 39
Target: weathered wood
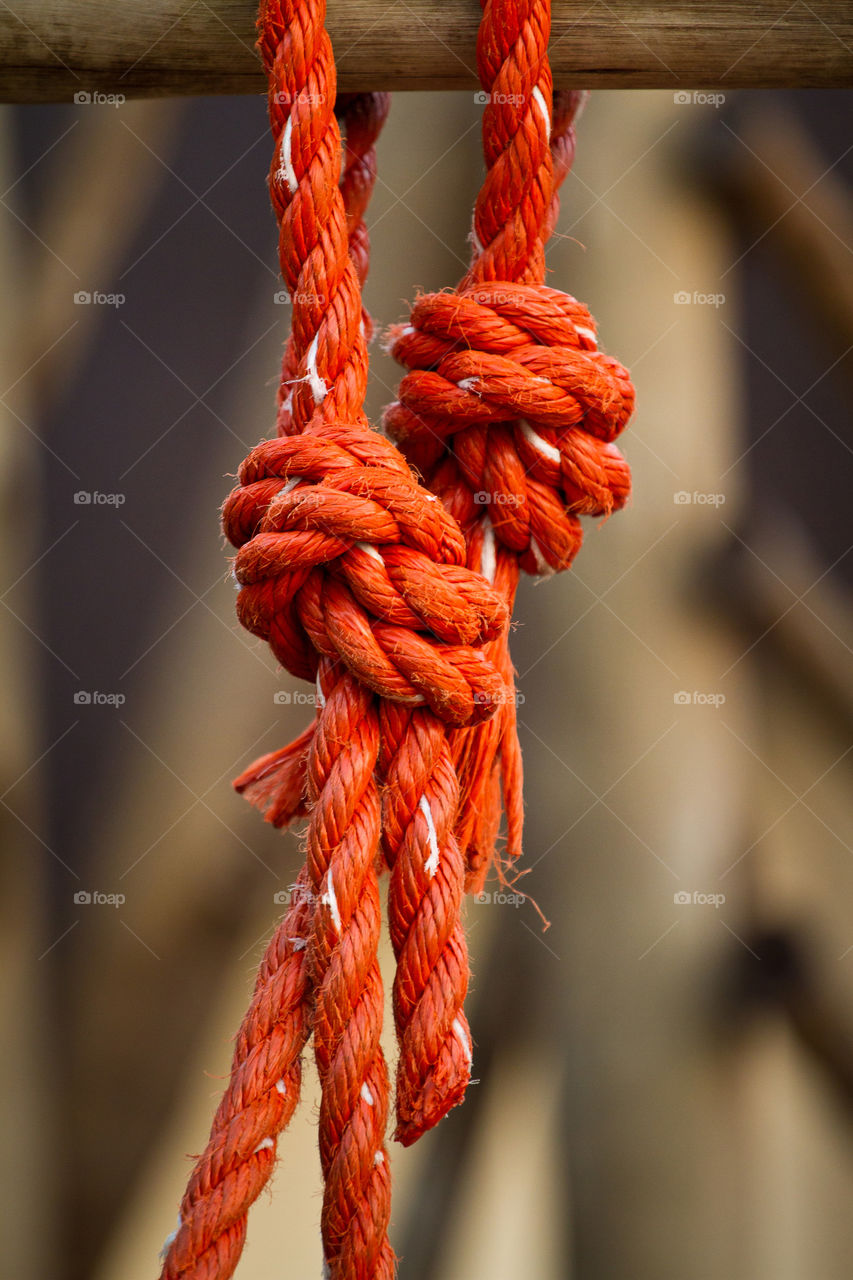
column 51, row 50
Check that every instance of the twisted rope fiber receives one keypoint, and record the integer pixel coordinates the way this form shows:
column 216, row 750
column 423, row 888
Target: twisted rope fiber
column 404, row 590
column 356, row 577
column 266, row 1071
column 508, row 408
column 372, row 622
column 361, row 116
column 474, row 751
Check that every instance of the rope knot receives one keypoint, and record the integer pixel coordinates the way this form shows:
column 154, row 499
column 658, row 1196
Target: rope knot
column 342, row 553
column 509, row 379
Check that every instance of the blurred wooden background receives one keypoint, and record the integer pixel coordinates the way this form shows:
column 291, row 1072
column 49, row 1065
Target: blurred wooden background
column 664, row 1087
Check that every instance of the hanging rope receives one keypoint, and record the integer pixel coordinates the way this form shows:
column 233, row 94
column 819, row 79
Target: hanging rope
column 266, row 1070
column 509, row 409
column 361, row 116
column 361, row 580
column 355, row 575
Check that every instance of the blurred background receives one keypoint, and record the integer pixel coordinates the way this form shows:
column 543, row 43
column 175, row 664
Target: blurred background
column 664, row 1078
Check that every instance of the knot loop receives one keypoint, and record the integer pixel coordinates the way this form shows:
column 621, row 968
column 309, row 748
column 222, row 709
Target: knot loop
column 509, row 376
column 343, row 554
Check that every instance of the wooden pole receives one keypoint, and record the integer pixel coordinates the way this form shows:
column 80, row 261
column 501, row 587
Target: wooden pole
column 52, row 50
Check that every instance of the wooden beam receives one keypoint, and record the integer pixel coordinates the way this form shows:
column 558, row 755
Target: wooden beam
column 51, row 50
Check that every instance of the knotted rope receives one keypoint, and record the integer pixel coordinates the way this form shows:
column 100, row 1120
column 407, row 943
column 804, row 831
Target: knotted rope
column 509, row 409
column 361, row 580
column 356, row 577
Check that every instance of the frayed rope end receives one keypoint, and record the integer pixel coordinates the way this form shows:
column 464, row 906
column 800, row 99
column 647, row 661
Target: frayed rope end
column 275, row 783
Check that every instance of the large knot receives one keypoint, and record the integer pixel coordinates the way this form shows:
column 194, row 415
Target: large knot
column 513, row 374
column 343, row 553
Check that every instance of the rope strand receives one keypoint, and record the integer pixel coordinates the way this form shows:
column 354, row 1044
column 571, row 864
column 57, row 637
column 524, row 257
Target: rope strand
column 257, row 1105
column 343, row 846
column 420, row 802
column 396, row 601
column 508, row 408
column 355, row 576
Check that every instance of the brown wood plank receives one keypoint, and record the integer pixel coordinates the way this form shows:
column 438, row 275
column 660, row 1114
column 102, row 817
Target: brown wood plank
column 51, row 50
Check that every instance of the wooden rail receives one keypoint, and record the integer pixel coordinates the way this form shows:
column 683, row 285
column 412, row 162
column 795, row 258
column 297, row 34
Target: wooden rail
column 51, row 50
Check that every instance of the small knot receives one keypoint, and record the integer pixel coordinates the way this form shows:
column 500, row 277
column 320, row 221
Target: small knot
column 509, row 378
column 342, row 553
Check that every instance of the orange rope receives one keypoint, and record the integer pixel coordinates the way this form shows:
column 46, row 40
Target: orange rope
column 509, row 409
column 355, row 575
column 397, row 605
column 257, row 1105
column 362, row 116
